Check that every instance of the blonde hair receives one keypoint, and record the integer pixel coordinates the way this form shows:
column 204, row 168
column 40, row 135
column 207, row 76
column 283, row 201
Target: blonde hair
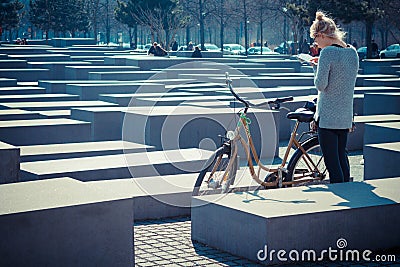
column 325, row 25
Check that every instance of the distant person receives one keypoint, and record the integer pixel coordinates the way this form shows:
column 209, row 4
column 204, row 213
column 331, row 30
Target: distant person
column 174, row 46
column 335, row 76
column 24, row 41
column 190, row 47
column 266, row 44
column 152, row 50
column 374, row 49
column 305, row 48
column 157, row 50
column 160, row 52
column 18, row 41
column 197, row 53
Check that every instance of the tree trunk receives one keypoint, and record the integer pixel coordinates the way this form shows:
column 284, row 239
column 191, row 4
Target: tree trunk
column 135, row 35
column 187, row 35
column 221, row 34
column 261, row 36
column 368, row 37
column 201, row 21
column 245, row 26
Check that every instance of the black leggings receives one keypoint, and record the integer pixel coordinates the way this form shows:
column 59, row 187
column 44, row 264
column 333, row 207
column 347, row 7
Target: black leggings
column 333, row 146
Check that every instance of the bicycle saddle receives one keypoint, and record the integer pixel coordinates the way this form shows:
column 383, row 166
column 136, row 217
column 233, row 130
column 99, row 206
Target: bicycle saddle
column 301, row 114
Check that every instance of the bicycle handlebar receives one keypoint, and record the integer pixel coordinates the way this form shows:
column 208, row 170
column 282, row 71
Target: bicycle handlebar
column 247, row 104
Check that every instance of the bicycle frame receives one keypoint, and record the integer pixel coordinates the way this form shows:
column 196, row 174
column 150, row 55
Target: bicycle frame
column 251, row 152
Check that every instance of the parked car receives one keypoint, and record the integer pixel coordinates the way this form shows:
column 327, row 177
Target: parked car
column 362, row 52
column 391, row 51
column 281, row 49
column 257, row 51
column 212, row 47
column 234, row 49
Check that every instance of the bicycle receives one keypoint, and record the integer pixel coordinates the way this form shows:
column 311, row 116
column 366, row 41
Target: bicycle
column 305, row 165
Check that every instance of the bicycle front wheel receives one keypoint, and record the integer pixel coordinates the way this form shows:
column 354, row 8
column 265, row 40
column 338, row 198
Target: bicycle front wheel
column 305, row 170
column 218, row 173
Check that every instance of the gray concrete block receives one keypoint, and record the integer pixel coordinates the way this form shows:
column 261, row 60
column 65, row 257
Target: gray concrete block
column 149, row 63
column 381, row 160
column 205, row 54
column 155, row 197
column 41, row 57
column 22, row 90
column 65, row 42
column 267, row 81
column 37, row 98
column 4, row 82
column 175, row 100
column 63, row 222
column 381, row 132
column 382, row 103
column 56, row 69
column 122, row 75
column 92, row 91
column 106, row 122
column 9, row 163
column 375, row 89
column 82, row 72
column 18, row 114
column 355, row 139
column 77, row 150
column 361, row 78
column 54, row 105
column 12, row 63
column 382, row 82
column 117, row 166
column 171, row 127
column 278, row 63
column 274, row 220
column 25, row 75
column 24, row 50
column 373, row 66
column 56, row 86
column 44, row 131
column 125, row 99
column 392, row 69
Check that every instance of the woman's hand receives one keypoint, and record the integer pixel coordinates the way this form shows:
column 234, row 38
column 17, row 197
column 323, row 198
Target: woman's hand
column 314, row 61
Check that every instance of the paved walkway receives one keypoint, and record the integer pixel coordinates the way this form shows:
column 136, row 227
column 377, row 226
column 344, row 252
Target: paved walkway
column 168, row 243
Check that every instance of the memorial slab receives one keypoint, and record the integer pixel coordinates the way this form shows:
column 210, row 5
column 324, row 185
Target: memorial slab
column 381, row 160
column 81, row 149
column 92, row 91
column 64, row 222
column 25, row 75
column 269, row 220
column 53, row 105
column 153, row 163
column 125, row 99
column 82, row 72
column 382, row 103
column 172, row 127
column 44, row 131
column 9, row 163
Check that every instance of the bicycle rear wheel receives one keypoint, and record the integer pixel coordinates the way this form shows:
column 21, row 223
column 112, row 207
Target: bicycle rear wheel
column 312, row 169
column 218, row 173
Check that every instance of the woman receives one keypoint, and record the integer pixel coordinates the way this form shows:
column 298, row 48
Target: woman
column 335, row 77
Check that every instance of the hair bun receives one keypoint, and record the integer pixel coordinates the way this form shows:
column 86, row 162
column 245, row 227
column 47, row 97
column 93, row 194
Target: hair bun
column 319, row 15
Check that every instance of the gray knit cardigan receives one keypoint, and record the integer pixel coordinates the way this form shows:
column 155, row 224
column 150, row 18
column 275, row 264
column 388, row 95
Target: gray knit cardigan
column 335, row 78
